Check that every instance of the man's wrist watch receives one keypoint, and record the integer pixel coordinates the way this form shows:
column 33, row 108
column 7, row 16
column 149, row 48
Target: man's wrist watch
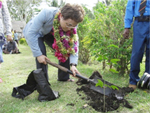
column 72, row 64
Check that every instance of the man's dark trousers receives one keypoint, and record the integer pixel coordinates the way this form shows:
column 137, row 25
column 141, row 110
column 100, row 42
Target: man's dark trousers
column 141, row 44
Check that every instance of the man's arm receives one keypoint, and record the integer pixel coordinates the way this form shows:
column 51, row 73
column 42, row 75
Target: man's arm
column 128, row 18
column 129, row 13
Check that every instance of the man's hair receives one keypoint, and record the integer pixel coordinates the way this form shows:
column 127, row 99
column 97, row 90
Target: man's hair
column 73, row 11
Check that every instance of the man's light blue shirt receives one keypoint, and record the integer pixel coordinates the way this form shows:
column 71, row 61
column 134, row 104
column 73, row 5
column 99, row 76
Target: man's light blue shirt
column 15, row 36
column 132, row 10
column 39, row 26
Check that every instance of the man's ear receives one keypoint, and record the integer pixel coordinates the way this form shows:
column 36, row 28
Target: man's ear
column 61, row 16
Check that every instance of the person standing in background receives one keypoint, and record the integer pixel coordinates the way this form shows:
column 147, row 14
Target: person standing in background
column 4, row 18
column 140, row 9
column 12, row 33
column 16, row 37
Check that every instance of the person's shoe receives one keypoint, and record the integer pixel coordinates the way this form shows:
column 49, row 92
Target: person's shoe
column 132, row 86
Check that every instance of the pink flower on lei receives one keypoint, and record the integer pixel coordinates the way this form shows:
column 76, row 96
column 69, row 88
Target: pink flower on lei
column 68, row 33
column 76, row 48
column 60, row 32
column 60, row 56
column 74, row 31
column 65, row 42
column 55, row 45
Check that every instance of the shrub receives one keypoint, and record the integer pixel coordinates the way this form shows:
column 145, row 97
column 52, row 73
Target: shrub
column 23, row 41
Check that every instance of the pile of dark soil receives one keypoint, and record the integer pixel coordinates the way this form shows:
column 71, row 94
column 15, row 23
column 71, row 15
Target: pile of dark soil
column 98, row 101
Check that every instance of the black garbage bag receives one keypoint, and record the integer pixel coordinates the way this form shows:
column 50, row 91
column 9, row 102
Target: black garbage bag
column 43, row 87
column 26, row 89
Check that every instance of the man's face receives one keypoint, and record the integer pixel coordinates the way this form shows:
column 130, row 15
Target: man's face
column 11, row 40
column 67, row 24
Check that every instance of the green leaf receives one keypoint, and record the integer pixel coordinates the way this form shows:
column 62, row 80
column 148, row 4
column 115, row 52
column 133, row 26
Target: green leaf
column 100, row 58
column 113, row 70
column 112, row 45
column 114, row 87
column 99, row 83
column 114, row 60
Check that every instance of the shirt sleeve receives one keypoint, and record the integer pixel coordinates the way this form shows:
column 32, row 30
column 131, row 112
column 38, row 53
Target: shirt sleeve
column 74, row 58
column 32, row 32
column 129, row 13
column 6, row 17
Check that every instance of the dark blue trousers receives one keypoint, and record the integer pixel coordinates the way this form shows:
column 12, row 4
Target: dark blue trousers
column 141, row 45
column 49, row 39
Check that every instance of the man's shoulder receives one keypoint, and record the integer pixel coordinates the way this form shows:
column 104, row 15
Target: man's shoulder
column 50, row 9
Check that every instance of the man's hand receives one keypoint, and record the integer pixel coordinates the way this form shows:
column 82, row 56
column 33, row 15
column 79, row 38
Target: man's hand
column 42, row 59
column 74, row 70
column 9, row 38
column 126, row 33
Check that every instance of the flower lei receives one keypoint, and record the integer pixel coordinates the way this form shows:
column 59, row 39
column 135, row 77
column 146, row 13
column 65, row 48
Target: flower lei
column 64, row 44
column 0, row 3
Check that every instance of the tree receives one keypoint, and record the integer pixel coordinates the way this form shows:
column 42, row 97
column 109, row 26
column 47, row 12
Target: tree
column 22, row 9
column 105, row 39
column 83, row 27
column 55, row 3
column 107, row 2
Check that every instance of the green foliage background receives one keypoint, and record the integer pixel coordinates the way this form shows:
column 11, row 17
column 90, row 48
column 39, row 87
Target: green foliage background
column 102, row 37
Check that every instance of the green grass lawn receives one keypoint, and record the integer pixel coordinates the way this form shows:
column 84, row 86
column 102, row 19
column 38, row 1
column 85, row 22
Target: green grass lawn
column 14, row 72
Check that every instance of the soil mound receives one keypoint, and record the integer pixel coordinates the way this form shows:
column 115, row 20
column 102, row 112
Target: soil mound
column 100, row 102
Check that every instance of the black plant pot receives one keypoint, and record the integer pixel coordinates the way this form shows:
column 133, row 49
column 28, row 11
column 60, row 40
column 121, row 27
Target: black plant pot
column 26, row 89
column 43, row 87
